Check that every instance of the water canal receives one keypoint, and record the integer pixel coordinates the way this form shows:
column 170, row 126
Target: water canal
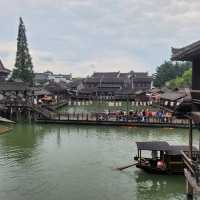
column 59, row 162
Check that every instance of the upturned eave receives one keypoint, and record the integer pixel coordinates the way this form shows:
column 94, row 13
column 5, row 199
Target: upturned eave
column 187, row 53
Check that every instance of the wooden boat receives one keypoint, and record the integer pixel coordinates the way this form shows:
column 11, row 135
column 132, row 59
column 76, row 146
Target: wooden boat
column 163, row 158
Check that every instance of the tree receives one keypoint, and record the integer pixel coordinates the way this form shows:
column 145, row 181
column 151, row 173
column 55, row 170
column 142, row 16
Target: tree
column 182, row 81
column 169, row 71
column 23, row 64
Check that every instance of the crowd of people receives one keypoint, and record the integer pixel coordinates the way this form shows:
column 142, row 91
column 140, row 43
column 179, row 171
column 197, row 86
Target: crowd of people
column 140, row 116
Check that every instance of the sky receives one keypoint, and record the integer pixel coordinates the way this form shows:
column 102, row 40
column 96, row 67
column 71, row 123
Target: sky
column 83, row 36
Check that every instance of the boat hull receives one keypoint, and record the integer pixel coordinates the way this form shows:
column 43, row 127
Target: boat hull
column 152, row 170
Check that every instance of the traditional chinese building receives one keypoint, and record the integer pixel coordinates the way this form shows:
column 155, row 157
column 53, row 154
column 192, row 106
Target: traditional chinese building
column 192, row 159
column 3, row 72
column 115, row 83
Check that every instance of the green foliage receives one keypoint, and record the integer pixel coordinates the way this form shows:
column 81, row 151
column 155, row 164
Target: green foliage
column 182, row 81
column 168, row 71
column 23, row 64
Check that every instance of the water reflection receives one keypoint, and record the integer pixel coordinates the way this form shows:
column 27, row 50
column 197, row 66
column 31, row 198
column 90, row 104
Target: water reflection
column 159, row 187
column 58, row 137
column 21, row 143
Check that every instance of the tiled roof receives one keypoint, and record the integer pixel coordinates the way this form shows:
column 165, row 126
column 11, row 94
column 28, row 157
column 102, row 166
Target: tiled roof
column 3, row 69
column 149, row 78
column 74, row 83
column 154, row 145
column 173, row 95
column 14, row 86
column 42, row 91
column 113, row 80
column 87, row 91
column 124, row 75
column 56, row 87
column 109, row 86
column 140, row 74
column 92, row 80
column 105, row 74
column 186, row 53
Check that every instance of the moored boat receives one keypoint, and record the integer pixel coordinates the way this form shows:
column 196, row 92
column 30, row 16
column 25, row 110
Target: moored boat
column 159, row 157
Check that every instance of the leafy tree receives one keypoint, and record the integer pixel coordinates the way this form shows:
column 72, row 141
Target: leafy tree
column 169, row 71
column 182, row 81
column 23, row 64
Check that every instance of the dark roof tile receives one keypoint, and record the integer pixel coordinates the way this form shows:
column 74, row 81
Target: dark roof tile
column 186, row 53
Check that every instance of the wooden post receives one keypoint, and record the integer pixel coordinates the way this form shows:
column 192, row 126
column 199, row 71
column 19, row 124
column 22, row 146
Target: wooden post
column 190, row 138
column 189, row 190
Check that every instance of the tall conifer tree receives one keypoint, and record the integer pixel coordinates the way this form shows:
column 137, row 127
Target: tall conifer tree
column 23, row 64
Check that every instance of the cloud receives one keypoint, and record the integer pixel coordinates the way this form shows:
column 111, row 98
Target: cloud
column 74, row 35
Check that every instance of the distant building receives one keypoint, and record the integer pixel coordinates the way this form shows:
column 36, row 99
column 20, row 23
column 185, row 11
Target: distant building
column 61, row 78
column 45, row 77
column 41, row 78
column 3, row 72
column 116, row 83
column 76, row 85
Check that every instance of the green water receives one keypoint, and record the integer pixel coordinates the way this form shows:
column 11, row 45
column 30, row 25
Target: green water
column 62, row 162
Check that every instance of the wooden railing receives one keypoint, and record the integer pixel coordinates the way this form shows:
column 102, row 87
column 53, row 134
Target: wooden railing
column 193, row 164
column 117, row 118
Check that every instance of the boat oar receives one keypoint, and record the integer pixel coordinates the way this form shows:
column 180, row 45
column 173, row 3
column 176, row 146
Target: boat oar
column 125, row 167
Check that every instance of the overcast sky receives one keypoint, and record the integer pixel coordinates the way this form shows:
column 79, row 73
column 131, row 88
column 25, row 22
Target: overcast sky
column 82, row 36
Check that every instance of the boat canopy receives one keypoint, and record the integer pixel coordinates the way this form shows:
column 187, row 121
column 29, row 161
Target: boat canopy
column 153, row 146
column 176, row 149
column 163, row 146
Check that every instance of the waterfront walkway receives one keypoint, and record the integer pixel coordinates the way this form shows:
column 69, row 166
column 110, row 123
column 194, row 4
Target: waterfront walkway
column 114, row 120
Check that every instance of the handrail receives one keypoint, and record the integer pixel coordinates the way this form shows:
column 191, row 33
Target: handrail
column 193, row 165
